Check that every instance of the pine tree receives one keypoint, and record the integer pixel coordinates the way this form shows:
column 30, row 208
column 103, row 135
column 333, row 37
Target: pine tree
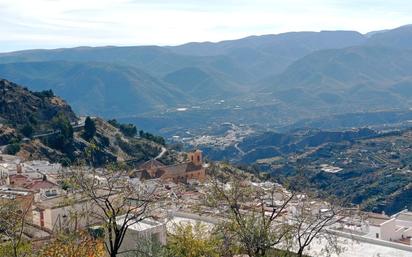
column 89, row 129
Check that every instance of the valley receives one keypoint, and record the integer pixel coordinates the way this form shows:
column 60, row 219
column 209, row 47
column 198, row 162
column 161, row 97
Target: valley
column 337, row 103
column 189, row 128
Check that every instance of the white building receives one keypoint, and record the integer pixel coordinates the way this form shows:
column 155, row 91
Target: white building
column 398, row 228
column 141, row 231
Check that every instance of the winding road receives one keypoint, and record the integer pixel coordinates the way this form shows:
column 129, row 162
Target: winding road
column 240, row 150
column 164, row 150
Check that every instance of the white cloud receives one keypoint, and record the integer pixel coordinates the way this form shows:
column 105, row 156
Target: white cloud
column 63, row 23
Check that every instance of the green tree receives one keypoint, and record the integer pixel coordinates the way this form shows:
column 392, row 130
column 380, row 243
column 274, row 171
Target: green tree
column 128, row 130
column 157, row 139
column 63, row 139
column 12, row 149
column 27, row 130
column 193, row 241
column 114, row 123
column 61, row 123
column 148, row 247
column 45, row 93
column 89, row 129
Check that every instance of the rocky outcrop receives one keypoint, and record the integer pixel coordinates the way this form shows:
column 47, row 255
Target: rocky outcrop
column 18, row 105
column 7, row 134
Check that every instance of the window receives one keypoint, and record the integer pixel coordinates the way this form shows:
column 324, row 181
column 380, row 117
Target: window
column 377, row 235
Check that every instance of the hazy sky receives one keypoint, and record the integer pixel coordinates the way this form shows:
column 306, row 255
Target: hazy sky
column 26, row 24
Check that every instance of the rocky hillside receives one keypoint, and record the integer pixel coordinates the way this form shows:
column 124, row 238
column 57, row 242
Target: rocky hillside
column 372, row 172
column 268, row 145
column 19, row 106
column 40, row 125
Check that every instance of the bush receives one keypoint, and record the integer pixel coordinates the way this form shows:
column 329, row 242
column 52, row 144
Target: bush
column 62, row 141
column 65, row 162
column 194, row 241
column 12, row 149
column 105, row 141
column 44, row 93
column 27, row 130
column 61, row 122
column 128, row 130
column 114, row 123
column 157, row 139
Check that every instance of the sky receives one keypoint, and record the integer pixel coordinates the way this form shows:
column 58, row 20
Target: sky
column 33, row 24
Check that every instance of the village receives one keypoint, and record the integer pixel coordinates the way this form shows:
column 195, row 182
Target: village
column 52, row 205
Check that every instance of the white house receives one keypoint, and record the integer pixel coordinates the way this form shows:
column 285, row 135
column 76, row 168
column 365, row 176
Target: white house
column 141, row 231
column 398, row 228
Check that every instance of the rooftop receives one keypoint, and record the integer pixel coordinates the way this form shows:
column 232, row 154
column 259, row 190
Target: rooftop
column 65, row 200
column 141, row 226
column 405, row 216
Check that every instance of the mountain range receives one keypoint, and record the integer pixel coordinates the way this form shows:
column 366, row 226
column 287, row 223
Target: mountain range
column 299, row 74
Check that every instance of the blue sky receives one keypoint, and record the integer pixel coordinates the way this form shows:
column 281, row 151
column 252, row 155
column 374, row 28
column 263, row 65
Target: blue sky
column 28, row 24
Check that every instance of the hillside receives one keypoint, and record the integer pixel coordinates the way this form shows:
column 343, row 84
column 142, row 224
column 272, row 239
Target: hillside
column 19, row 106
column 202, row 85
column 372, row 172
column 264, row 146
column 397, row 38
column 361, row 167
column 40, row 125
column 352, row 79
column 151, row 78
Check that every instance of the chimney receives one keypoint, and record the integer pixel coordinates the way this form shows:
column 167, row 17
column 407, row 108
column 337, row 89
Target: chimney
column 44, row 177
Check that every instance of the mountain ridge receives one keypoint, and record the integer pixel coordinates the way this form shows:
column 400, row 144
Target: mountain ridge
column 328, row 72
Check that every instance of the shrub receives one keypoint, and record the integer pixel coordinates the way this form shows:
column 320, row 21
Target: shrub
column 12, row 149
column 114, row 123
column 128, row 130
column 44, row 93
column 27, row 130
column 157, row 139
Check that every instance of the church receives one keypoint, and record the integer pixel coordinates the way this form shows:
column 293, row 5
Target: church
column 191, row 170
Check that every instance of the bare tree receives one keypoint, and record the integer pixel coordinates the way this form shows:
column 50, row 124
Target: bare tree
column 256, row 225
column 118, row 204
column 310, row 215
column 265, row 218
column 13, row 215
column 309, row 220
